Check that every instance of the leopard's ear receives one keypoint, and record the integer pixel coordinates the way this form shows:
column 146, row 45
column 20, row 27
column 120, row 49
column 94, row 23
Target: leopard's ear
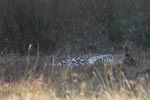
column 127, row 54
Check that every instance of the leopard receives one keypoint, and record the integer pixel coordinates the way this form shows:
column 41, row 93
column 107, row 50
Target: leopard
column 101, row 66
column 105, row 59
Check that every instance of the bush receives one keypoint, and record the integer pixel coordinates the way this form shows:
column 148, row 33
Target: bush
column 55, row 23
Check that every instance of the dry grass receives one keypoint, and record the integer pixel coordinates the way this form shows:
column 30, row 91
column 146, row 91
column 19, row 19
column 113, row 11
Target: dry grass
column 40, row 91
column 24, row 78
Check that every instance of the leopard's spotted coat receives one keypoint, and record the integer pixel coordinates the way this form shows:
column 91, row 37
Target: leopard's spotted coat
column 106, row 59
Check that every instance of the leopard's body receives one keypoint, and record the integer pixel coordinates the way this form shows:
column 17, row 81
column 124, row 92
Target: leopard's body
column 107, row 59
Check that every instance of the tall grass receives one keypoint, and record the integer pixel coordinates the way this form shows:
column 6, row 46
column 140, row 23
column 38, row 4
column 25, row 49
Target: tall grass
column 36, row 89
column 41, row 82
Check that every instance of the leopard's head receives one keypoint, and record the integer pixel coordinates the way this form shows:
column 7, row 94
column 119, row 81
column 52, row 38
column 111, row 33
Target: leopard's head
column 129, row 61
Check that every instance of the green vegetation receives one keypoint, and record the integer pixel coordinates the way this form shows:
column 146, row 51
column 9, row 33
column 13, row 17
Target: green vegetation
column 55, row 24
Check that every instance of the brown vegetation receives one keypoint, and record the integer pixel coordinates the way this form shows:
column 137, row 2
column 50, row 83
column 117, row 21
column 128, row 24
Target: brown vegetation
column 29, row 77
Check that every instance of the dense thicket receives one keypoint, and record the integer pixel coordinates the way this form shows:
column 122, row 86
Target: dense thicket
column 53, row 24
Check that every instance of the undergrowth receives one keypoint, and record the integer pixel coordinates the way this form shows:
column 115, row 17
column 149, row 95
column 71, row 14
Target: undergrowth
column 41, row 82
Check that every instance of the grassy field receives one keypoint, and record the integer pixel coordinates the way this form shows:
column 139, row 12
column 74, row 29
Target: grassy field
column 52, row 30
column 37, row 90
column 29, row 78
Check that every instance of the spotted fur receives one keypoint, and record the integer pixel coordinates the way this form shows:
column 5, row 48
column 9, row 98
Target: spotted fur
column 107, row 59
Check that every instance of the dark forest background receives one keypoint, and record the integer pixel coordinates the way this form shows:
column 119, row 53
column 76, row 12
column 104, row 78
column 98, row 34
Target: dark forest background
column 73, row 25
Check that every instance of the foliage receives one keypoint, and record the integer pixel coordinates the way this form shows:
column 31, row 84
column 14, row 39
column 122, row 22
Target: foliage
column 56, row 23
